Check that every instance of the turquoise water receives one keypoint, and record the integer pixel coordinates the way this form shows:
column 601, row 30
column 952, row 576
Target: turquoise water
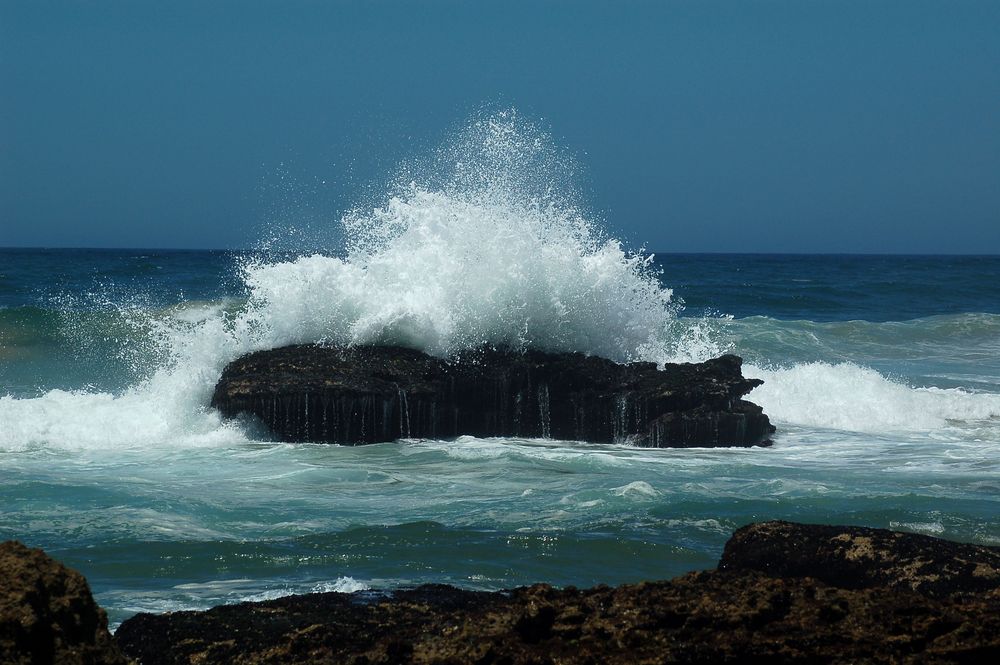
column 884, row 419
column 882, row 375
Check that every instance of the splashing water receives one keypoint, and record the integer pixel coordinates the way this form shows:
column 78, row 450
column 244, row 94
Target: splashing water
column 488, row 247
column 487, row 253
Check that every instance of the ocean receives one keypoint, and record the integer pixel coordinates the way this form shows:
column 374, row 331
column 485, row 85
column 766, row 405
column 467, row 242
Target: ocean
column 881, row 373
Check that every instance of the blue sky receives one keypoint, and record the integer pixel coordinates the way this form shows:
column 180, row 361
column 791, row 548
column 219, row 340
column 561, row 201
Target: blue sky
column 780, row 126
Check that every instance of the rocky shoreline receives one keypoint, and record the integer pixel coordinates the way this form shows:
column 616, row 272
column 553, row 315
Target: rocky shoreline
column 370, row 394
column 783, row 592
column 47, row 614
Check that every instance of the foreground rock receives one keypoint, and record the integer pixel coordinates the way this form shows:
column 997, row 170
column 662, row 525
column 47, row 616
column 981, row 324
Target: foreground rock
column 380, row 393
column 738, row 614
column 47, row 614
column 863, row 558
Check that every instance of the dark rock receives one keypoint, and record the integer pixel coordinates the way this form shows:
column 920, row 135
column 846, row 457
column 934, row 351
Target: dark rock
column 47, row 614
column 854, row 557
column 706, row 617
column 380, row 393
column 729, row 615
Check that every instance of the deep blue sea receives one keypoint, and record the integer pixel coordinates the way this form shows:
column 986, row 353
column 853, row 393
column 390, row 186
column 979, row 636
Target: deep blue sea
column 881, row 373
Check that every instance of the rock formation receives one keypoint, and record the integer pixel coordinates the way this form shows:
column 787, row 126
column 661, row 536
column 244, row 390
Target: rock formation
column 739, row 613
column 47, row 614
column 381, row 393
column 863, row 558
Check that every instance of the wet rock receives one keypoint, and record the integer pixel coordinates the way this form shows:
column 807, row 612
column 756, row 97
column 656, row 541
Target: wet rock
column 853, row 557
column 47, row 614
column 380, row 393
column 735, row 614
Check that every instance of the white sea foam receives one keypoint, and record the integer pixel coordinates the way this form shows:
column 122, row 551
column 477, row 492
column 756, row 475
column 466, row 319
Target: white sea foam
column 455, row 274
column 846, row 396
column 81, row 420
column 200, row 596
column 636, row 489
column 341, row 585
column 929, row 528
column 168, row 408
column 483, row 250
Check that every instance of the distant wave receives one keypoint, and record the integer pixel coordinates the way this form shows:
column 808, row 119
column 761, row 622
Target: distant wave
column 819, row 374
column 972, row 334
column 846, row 396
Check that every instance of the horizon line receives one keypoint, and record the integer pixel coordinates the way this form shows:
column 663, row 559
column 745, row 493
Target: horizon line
column 648, row 252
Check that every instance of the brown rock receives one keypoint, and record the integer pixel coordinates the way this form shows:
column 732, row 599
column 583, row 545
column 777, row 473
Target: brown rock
column 922, row 602
column 854, row 557
column 707, row 617
column 47, row 614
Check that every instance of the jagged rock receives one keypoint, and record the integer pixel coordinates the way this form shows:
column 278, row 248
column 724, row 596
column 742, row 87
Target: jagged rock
column 381, row 393
column 47, row 614
column 735, row 614
column 854, row 557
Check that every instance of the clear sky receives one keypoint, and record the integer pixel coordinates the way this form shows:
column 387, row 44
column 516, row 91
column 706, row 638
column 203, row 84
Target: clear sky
column 780, row 126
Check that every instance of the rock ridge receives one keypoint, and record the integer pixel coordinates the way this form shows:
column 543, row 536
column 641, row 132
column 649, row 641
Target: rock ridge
column 741, row 613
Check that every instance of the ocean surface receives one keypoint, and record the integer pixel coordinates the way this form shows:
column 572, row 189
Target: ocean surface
column 882, row 375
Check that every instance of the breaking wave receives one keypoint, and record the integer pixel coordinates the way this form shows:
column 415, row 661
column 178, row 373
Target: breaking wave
column 846, row 396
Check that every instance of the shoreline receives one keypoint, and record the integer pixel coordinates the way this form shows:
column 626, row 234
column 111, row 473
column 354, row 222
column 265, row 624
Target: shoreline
column 782, row 591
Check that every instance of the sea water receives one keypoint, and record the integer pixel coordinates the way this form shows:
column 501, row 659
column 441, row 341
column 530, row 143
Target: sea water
column 881, row 373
